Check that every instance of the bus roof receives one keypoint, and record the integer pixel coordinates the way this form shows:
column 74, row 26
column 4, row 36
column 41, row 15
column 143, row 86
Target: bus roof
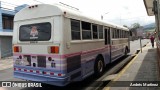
column 46, row 10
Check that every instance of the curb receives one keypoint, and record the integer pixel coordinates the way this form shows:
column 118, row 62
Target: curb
column 125, row 68
column 6, row 58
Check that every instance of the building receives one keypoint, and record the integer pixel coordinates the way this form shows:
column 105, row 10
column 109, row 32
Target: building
column 140, row 32
column 6, row 29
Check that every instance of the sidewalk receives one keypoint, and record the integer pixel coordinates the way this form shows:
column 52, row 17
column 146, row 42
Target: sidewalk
column 144, row 67
column 6, row 63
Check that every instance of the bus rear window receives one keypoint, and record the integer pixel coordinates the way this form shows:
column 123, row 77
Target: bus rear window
column 35, row 32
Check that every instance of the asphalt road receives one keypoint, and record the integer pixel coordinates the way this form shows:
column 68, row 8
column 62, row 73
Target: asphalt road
column 134, row 45
column 7, row 74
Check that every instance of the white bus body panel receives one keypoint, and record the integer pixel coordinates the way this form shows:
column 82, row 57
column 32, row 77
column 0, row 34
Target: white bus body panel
column 75, row 59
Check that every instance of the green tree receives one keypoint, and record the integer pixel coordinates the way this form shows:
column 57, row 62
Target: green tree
column 134, row 27
column 125, row 26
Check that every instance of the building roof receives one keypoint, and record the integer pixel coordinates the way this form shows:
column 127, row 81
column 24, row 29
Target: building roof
column 6, row 33
column 149, row 5
column 46, row 10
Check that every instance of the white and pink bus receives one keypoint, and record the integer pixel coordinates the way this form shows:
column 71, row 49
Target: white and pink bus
column 57, row 44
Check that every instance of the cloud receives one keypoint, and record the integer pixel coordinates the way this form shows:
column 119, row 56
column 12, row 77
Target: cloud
column 124, row 11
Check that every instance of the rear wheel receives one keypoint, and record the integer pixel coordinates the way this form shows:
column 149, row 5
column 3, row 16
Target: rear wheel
column 99, row 66
column 126, row 51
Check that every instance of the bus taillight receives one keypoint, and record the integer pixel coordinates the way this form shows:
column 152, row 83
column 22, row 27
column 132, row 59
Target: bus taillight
column 31, row 70
column 17, row 49
column 51, row 73
column 44, row 72
column 59, row 74
column 37, row 72
column 54, row 49
column 25, row 70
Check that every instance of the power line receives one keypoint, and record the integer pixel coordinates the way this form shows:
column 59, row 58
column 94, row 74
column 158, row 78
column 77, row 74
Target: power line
column 9, row 3
column 38, row 1
column 8, row 9
column 130, row 18
column 68, row 5
column 8, row 6
column 134, row 18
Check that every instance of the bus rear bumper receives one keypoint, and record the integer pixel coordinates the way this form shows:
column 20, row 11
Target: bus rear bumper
column 57, row 81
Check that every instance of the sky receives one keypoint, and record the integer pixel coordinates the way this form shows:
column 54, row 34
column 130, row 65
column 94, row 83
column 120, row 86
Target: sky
column 122, row 12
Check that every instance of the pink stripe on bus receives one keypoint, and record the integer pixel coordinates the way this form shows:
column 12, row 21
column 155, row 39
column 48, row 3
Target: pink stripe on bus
column 65, row 55
column 48, row 55
column 72, row 54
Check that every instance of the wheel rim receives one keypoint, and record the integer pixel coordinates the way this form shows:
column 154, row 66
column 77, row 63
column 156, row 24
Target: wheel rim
column 100, row 66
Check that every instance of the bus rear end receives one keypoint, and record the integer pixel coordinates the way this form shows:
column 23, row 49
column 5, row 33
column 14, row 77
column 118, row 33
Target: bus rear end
column 37, row 47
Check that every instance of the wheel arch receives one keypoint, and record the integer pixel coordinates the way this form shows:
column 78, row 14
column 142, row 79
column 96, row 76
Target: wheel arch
column 100, row 56
column 126, row 48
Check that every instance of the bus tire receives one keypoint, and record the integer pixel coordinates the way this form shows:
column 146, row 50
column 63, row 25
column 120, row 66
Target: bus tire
column 126, row 51
column 99, row 66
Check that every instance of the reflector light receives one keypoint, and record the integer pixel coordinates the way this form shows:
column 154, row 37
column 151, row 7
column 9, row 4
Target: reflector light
column 19, row 69
column 54, row 49
column 16, row 49
column 31, row 70
column 25, row 70
column 49, row 58
column 37, row 71
column 59, row 74
column 14, row 69
column 51, row 73
column 44, row 72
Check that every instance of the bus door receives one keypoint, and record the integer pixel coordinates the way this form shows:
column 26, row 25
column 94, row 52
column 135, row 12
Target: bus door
column 107, row 44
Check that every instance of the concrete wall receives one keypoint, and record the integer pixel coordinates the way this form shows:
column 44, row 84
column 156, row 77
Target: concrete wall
column 1, row 25
column 6, row 46
column 6, row 40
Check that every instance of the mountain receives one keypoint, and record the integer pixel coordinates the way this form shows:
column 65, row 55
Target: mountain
column 149, row 26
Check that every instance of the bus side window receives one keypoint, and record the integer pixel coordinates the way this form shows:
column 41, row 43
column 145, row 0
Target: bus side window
column 75, row 29
column 106, row 36
column 117, row 33
column 125, row 34
column 86, row 30
column 112, row 33
column 109, row 39
column 100, row 29
column 94, row 32
column 120, row 34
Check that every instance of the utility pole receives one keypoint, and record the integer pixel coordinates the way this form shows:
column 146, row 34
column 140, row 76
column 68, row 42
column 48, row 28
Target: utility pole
column 103, row 15
column 158, row 18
